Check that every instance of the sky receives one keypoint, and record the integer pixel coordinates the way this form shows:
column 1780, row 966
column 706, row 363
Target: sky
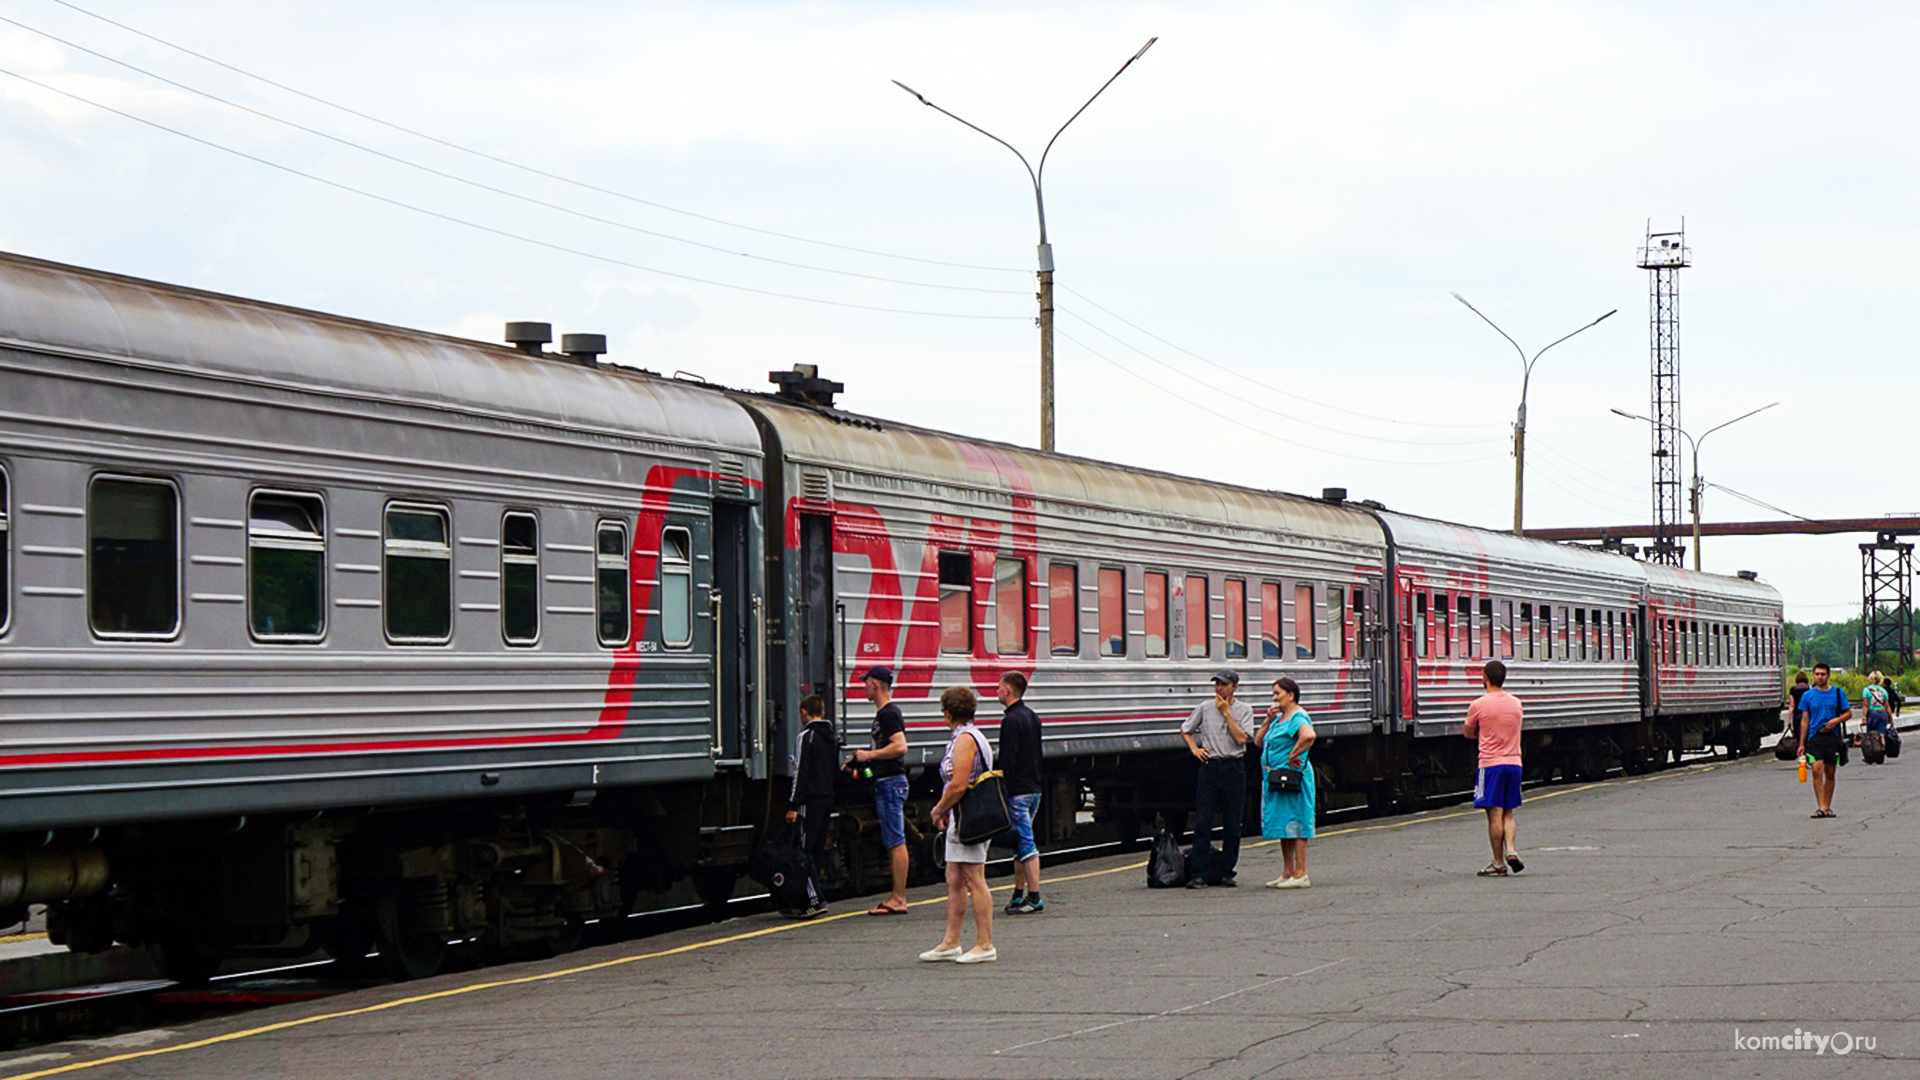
column 1257, row 227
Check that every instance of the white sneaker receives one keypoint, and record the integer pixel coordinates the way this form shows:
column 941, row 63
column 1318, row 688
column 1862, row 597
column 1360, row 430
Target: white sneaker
column 1303, row 882
column 1280, row 882
column 941, row 954
column 977, row 957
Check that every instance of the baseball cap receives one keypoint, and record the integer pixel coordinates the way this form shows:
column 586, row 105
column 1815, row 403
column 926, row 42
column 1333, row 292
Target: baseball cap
column 881, row 672
column 1230, row 677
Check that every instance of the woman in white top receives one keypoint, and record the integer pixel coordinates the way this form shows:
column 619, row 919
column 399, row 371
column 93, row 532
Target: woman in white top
column 968, row 755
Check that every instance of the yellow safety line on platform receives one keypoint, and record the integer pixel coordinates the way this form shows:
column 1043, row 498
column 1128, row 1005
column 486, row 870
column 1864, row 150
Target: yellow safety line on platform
column 267, row 1029
column 12, row 939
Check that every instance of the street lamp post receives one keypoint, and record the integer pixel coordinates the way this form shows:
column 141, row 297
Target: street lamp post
column 1695, row 486
column 1520, row 418
column 1046, row 249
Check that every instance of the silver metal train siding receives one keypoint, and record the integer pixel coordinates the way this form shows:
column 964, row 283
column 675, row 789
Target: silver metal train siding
column 241, row 779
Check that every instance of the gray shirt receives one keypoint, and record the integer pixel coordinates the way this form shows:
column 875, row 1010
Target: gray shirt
column 1209, row 728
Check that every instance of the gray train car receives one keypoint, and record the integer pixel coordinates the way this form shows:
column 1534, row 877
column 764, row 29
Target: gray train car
column 264, row 562
column 1714, row 657
column 1117, row 591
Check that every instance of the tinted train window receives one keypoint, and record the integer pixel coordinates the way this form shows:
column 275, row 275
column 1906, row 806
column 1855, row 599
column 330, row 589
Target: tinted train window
column 419, row 573
column 956, row 602
column 1485, row 647
column 1199, row 618
column 133, row 558
column 1336, row 622
column 1236, row 602
column 286, row 566
column 1580, row 633
column 1156, row 609
column 613, row 585
column 1063, row 609
column 1506, row 629
column 1303, row 622
column 1113, row 612
column 1442, row 634
column 520, row 578
column 1010, row 598
column 1270, row 620
column 1463, row 626
column 6, row 553
column 1420, row 624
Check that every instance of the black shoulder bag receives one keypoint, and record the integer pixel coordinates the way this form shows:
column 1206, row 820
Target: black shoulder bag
column 982, row 811
column 1285, row 780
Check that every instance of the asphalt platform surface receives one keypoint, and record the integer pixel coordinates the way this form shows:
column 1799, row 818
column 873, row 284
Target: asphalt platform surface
column 1664, row 927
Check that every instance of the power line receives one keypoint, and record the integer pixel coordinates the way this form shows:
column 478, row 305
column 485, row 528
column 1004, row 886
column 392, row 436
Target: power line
column 1268, row 386
column 1257, row 431
column 490, row 229
column 430, row 170
column 1754, row 501
column 1285, row 416
column 581, row 184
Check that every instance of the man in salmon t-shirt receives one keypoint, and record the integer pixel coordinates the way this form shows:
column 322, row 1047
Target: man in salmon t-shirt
column 1494, row 719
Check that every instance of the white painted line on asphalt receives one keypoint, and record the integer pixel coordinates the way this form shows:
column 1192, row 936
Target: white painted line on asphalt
column 1262, row 985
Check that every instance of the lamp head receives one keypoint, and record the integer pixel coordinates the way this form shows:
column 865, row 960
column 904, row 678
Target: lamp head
column 1144, row 48
column 910, row 90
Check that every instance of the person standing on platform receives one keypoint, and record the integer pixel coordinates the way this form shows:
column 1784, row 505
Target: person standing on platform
column 1494, row 719
column 1287, row 816
column 1824, row 711
column 886, row 764
column 1877, row 703
column 1800, row 686
column 1020, row 764
column 810, row 804
column 967, row 757
column 1216, row 733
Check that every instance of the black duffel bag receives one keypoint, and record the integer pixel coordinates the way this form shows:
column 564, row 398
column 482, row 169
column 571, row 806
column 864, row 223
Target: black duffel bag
column 1167, row 866
column 1893, row 741
column 1788, row 748
column 782, row 867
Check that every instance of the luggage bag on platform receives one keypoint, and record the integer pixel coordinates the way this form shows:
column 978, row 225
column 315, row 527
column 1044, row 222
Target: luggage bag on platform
column 1167, row 868
column 1873, row 748
column 782, row 866
column 1787, row 748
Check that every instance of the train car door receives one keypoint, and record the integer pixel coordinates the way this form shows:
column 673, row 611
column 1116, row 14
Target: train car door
column 733, row 604
column 1409, row 704
column 819, row 619
column 1643, row 652
column 1370, row 639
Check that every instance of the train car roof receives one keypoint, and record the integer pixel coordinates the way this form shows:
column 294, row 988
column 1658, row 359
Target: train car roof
column 811, row 435
column 46, row 305
column 1679, row 581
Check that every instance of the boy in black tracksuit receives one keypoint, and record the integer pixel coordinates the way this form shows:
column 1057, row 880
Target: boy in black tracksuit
column 811, row 801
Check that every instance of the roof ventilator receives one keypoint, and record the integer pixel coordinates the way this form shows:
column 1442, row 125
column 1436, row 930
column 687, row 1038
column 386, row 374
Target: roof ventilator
column 529, row 337
column 804, row 384
column 1336, row 496
column 584, row 348
column 1749, row 575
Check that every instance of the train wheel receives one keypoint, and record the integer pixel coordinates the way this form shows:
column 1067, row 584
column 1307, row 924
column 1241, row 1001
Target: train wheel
column 566, row 940
column 406, row 954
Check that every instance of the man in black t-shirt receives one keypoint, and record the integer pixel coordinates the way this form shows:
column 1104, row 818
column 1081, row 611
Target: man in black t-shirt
column 1019, row 764
column 886, row 764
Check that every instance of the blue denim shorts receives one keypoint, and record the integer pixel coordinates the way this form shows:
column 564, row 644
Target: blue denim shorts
column 1022, row 809
column 890, row 802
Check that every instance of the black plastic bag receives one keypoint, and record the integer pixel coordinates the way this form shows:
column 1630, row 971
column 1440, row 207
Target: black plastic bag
column 782, row 867
column 1167, row 868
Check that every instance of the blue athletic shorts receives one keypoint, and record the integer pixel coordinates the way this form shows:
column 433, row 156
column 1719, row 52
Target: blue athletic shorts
column 890, row 802
column 1022, row 808
column 1498, row 786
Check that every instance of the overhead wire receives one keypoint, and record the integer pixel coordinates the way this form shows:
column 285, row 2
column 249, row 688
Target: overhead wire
column 1249, row 427
column 510, row 163
column 1754, row 501
column 1264, row 385
column 1256, row 405
column 508, row 234
column 494, row 189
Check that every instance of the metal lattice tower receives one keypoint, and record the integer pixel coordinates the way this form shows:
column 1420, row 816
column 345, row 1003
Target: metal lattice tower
column 1886, row 625
column 1664, row 256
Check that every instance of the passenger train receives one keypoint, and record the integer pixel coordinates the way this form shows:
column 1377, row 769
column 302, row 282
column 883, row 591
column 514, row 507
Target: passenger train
column 317, row 633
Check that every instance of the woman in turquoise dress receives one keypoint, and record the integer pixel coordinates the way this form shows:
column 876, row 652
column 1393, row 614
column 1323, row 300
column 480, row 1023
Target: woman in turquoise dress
column 1287, row 816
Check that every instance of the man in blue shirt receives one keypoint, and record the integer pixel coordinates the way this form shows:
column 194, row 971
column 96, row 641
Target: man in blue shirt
column 1822, row 714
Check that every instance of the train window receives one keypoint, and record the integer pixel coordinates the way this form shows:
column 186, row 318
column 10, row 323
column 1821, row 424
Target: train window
column 1579, row 647
column 1063, row 609
column 1548, row 651
column 1506, row 629
column 6, row 554
column 1463, row 626
column 1010, row 605
column 956, row 602
column 1442, row 634
column 133, row 558
column 1359, row 624
column 286, row 566
column 1156, row 610
column 520, row 578
column 1420, row 624
column 1609, row 645
column 1113, row 611
column 675, row 590
column 1199, row 621
column 1303, row 622
column 1270, row 620
column 419, row 575
column 1485, row 647
column 1235, row 600
column 1336, row 622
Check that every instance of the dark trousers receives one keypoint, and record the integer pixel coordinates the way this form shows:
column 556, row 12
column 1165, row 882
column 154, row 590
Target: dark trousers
column 1221, row 792
column 815, row 814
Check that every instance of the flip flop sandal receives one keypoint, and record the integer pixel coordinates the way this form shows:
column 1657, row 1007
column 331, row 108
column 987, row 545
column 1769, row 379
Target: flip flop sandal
column 882, row 909
column 1514, row 863
column 1493, row 870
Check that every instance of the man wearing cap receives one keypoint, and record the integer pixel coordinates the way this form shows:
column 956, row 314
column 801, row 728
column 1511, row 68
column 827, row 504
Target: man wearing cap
column 1217, row 735
column 886, row 765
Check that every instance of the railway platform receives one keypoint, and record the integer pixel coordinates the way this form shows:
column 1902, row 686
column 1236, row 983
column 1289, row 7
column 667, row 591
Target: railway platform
column 1691, row 923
